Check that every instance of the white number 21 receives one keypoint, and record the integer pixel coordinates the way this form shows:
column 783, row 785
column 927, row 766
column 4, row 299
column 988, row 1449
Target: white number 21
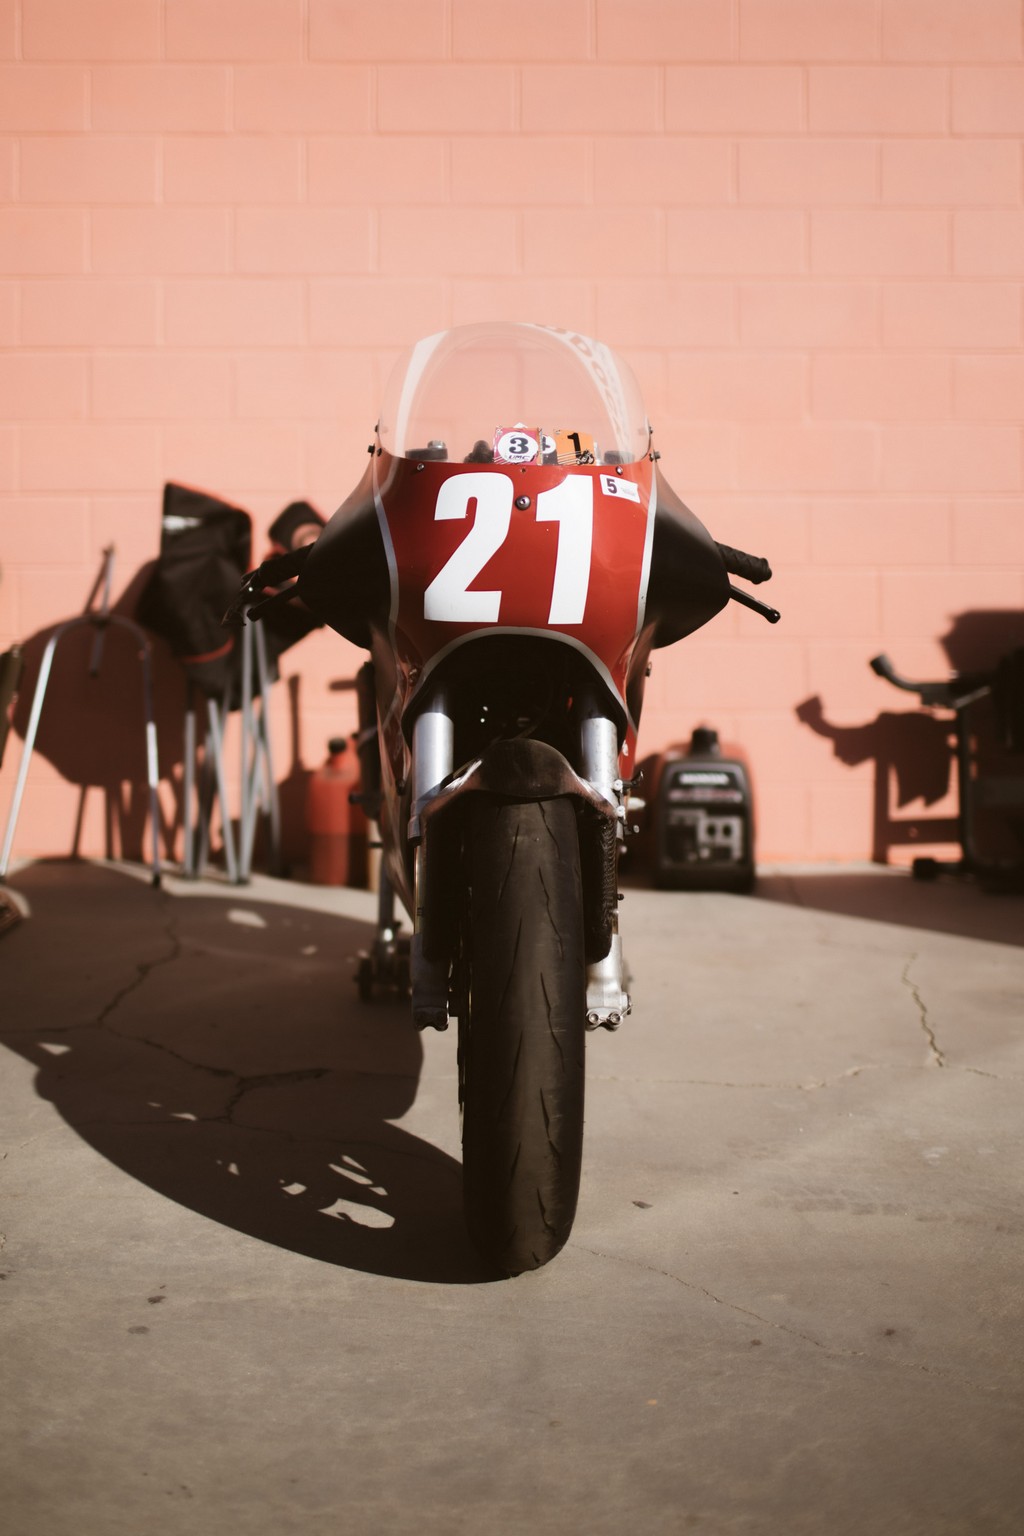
column 571, row 505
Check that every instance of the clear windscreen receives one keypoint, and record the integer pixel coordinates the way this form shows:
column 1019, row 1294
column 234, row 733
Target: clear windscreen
column 515, row 394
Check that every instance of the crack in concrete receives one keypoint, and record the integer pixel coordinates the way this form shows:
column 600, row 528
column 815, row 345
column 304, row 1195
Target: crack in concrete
column 243, row 1083
column 937, row 1055
column 812, row 1085
column 701, row 1290
column 832, row 1351
column 269, row 1080
column 144, row 968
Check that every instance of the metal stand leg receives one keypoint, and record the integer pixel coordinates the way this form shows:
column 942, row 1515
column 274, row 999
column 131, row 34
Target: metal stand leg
column 152, row 762
column 259, row 786
column 205, row 799
column 247, row 820
column 271, row 801
column 188, row 823
column 27, row 746
column 385, row 967
column 215, row 739
column 202, row 789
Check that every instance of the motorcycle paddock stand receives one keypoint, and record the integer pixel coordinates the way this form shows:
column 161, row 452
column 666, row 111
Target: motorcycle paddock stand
column 385, row 967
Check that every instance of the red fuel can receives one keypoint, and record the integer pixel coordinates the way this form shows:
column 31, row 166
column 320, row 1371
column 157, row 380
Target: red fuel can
column 337, row 828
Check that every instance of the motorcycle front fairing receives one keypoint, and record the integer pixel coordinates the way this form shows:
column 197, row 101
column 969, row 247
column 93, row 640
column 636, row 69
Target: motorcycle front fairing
column 510, row 558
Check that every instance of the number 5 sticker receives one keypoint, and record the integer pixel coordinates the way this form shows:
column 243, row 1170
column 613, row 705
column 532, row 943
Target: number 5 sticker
column 448, row 600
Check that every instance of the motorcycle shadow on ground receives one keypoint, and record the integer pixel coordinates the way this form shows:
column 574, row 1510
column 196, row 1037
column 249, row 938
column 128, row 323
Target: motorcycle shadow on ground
column 213, row 1048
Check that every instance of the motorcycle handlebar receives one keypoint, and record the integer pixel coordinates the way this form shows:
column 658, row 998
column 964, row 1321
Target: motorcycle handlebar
column 752, row 568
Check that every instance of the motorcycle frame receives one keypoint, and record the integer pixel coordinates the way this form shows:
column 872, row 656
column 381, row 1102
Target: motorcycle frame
column 439, row 773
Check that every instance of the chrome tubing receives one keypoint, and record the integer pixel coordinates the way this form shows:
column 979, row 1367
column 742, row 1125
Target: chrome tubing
column 433, row 756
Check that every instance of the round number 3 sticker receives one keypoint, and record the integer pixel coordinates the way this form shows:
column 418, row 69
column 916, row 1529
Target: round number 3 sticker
column 516, row 447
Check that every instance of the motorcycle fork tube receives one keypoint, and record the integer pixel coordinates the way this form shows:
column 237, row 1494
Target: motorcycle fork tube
column 607, row 999
column 599, row 755
column 433, row 758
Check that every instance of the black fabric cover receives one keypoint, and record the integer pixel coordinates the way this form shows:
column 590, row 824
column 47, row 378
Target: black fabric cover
column 205, row 554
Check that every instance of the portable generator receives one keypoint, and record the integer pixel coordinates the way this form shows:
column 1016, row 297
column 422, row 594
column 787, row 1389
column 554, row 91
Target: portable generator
column 699, row 824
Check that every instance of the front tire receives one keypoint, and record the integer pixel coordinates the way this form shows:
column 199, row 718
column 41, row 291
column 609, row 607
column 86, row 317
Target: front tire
column 522, row 1029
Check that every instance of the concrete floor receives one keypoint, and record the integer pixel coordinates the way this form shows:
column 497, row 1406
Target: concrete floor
column 236, row 1295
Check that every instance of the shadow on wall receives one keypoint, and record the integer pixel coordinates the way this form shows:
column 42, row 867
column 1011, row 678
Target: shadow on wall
column 214, row 1050
column 92, row 731
column 92, row 723
column 914, row 752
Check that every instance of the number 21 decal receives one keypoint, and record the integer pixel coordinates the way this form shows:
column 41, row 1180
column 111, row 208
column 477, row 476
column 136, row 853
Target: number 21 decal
column 448, row 600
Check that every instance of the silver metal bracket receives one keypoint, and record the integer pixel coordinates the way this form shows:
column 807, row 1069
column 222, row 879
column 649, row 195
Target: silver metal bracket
column 608, row 1002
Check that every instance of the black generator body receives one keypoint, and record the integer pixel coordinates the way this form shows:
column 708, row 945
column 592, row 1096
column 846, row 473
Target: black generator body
column 698, row 826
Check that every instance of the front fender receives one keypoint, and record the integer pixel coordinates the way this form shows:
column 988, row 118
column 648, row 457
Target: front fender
column 521, row 769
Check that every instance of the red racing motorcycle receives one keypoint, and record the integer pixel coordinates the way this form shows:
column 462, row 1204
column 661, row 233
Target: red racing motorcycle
column 510, row 558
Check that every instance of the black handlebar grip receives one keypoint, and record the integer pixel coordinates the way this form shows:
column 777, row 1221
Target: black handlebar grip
column 751, row 567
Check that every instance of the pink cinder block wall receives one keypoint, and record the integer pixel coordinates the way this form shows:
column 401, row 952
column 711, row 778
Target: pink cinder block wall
column 800, row 221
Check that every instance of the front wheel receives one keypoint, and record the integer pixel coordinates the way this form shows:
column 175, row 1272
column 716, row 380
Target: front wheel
column 522, row 1029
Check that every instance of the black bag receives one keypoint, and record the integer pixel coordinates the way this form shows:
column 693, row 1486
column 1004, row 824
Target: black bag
column 205, row 554
column 205, row 551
